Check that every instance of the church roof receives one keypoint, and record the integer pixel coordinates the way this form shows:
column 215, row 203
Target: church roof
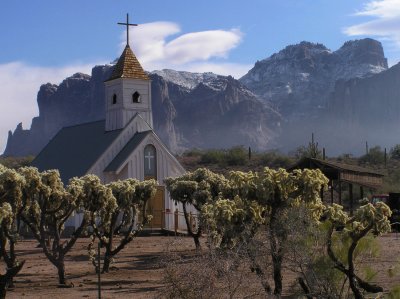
column 123, row 155
column 128, row 67
column 75, row 149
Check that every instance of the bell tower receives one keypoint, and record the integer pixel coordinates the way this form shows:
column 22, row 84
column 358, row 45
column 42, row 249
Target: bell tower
column 127, row 91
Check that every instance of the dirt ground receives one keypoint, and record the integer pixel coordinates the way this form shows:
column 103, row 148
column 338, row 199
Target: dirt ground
column 137, row 271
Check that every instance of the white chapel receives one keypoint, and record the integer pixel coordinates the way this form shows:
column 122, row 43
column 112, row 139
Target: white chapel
column 124, row 145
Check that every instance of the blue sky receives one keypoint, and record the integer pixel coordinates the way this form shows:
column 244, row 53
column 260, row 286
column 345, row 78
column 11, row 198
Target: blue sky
column 46, row 41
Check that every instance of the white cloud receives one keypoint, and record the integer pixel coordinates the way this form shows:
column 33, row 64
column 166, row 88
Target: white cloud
column 19, row 86
column 202, row 45
column 156, row 47
column 149, row 42
column 385, row 23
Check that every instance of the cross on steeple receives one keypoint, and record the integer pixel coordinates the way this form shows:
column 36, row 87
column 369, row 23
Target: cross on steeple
column 127, row 28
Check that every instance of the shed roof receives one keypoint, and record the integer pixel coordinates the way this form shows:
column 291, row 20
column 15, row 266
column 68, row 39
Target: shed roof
column 128, row 67
column 123, row 155
column 75, row 149
column 344, row 172
column 337, row 166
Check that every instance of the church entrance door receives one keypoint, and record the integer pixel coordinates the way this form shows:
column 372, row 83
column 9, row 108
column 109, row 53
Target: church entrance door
column 155, row 207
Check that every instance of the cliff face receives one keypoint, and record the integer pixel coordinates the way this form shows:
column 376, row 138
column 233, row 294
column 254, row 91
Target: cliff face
column 77, row 99
column 299, row 79
column 371, row 101
column 223, row 113
column 346, row 97
column 191, row 113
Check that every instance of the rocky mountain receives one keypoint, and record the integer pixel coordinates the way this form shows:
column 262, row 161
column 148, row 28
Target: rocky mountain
column 189, row 110
column 366, row 109
column 299, row 79
column 345, row 97
column 74, row 101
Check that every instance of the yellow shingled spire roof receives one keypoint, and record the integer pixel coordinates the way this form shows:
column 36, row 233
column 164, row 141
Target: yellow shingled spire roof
column 128, row 67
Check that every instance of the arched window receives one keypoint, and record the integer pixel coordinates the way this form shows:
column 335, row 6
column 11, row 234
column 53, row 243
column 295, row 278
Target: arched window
column 136, row 97
column 114, row 99
column 150, row 162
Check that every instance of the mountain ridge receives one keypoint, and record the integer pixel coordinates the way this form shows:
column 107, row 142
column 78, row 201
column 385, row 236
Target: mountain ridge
column 277, row 104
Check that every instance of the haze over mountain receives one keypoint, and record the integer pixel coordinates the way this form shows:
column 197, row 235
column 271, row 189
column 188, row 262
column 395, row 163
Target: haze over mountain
column 346, row 97
column 204, row 110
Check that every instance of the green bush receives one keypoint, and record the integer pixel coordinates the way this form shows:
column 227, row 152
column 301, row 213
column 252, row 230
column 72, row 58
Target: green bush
column 232, row 157
column 212, row 157
column 395, row 152
column 16, row 162
column 374, row 156
column 236, row 156
column 195, row 152
column 274, row 159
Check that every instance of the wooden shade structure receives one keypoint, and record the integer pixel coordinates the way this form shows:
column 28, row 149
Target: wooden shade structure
column 339, row 173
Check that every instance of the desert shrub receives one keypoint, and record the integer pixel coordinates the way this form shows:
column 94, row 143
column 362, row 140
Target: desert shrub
column 375, row 156
column 236, row 156
column 274, row 159
column 193, row 153
column 232, row 157
column 212, row 157
column 16, row 162
column 211, row 274
column 395, row 152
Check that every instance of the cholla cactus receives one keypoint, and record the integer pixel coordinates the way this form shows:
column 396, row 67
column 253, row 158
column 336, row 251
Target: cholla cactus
column 121, row 204
column 367, row 219
column 196, row 188
column 232, row 221
column 251, row 199
column 11, row 192
column 47, row 205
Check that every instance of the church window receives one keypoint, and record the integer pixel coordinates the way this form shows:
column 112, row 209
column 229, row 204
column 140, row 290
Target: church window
column 114, row 99
column 136, row 97
column 150, row 162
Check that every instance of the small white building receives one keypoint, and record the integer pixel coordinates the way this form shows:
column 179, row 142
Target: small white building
column 122, row 146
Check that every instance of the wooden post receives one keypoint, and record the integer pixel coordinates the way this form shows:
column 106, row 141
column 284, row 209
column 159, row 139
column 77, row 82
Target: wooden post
column 361, row 192
column 98, row 273
column 323, row 153
column 340, row 192
column 351, row 198
column 176, row 220
column 331, row 192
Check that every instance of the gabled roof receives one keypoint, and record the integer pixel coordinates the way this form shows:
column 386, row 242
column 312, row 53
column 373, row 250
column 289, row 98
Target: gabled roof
column 128, row 67
column 123, row 155
column 75, row 149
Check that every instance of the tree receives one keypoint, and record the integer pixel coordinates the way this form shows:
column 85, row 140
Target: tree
column 375, row 155
column 10, row 199
column 47, row 206
column 311, row 151
column 195, row 188
column 277, row 192
column 127, row 218
column 368, row 219
column 232, row 221
column 395, row 152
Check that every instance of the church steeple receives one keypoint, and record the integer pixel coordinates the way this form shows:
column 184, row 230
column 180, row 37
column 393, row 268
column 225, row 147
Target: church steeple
column 128, row 67
column 128, row 90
